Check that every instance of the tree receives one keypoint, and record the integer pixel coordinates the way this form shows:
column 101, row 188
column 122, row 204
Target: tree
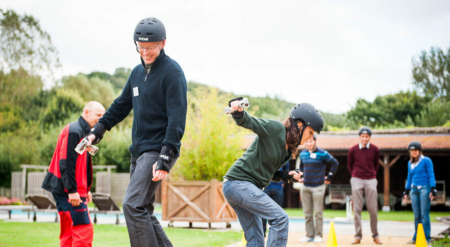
column 90, row 88
column 431, row 73
column 335, row 122
column 18, row 87
column 212, row 141
column 434, row 114
column 386, row 110
column 24, row 44
column 118, row 79
column 63, row 105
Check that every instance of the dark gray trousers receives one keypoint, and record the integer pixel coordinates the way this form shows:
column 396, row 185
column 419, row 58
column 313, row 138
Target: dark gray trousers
column 143, row 227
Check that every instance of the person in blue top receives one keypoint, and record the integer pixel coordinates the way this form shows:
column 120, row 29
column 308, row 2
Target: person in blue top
column 275, row 191
column 313, row 164
column 421, row 187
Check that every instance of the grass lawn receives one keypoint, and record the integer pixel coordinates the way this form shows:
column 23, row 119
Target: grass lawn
column 46, row 234
column 393, row 215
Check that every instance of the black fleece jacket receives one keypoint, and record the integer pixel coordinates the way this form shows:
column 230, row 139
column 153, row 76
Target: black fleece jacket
column 159, row 103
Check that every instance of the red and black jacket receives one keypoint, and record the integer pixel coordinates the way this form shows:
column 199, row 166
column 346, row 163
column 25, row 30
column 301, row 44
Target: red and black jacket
column 70, row 172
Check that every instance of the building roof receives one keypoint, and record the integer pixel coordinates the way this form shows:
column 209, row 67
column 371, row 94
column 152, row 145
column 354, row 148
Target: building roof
column 432, row 139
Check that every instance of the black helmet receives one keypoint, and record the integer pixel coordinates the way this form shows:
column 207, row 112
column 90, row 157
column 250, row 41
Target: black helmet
column 415, row 145
column 315, row 136
column 365, row 130
column 149, row 30
column 309, row 115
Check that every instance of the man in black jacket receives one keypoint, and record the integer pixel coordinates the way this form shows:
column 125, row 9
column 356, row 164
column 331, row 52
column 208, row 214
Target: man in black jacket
column 156, row 91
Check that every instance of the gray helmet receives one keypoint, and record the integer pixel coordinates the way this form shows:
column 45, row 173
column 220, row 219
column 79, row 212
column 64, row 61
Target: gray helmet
column 308, row 115
column 414, row 145
column 365, row 130
column 149, row 30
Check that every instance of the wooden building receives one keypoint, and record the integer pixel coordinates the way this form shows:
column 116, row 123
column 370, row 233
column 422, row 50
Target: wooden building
column 394, row 157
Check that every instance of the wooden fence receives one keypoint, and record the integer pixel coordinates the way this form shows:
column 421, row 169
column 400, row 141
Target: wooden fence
column 16, row 185
column 5, row 192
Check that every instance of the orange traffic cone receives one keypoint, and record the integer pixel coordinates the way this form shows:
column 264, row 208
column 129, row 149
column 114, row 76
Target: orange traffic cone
column 421, row 241
column 332, row 241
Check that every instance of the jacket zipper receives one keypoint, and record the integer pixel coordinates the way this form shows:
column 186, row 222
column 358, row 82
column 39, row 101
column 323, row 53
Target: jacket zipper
column 139, row 115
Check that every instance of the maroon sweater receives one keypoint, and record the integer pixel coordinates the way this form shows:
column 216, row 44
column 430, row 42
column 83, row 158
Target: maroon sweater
column 363, row 163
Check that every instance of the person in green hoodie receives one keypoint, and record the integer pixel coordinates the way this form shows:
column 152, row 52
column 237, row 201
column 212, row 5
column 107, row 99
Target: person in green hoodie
column 275, row 144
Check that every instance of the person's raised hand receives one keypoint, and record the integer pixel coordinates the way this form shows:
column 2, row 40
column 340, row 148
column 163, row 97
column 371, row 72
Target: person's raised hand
column 235, row 106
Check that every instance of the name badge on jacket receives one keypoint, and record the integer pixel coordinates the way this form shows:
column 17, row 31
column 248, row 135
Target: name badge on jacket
column 313, row 155
column 135, row 91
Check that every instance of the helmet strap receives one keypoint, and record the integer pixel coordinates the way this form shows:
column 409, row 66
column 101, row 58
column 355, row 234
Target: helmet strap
column 301, row 134
column 137, row 49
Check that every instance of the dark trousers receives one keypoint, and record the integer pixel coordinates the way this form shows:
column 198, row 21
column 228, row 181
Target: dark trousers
column 277, row 195
column 143, row 227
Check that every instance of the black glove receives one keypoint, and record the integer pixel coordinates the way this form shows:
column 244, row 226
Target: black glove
column 433, row 191
column 284, row 175
column 329, row 176
column 165, row 159
column 236, row 114
column 406, row 192
column 98, row 130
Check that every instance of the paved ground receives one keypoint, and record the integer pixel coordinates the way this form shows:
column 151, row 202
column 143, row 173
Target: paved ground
column 345, row 241
column 393, row 233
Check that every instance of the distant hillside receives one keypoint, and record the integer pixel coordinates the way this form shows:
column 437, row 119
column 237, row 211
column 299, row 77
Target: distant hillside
column 275, row 108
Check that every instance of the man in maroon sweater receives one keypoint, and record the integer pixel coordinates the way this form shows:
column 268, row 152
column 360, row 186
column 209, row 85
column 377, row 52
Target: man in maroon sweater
column 363, row 160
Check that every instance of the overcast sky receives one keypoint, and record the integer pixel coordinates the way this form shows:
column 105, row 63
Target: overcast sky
column 327, row 53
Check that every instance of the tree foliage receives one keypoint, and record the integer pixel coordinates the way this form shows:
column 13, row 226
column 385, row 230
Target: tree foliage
column 118, row 79
column 23, row 43
column 18, row 87
column 387, row 109
column 212, row 141
column 434, row 114
column 337, row 122
column 62, row 106
column 90, row 88
column 431, row 73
